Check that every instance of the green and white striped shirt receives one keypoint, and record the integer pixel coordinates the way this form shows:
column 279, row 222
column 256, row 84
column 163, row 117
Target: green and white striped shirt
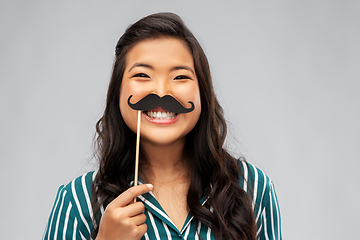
column 71, row 215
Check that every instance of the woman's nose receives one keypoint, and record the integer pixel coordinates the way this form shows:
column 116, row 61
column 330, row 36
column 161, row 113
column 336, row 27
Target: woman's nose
column 162, row 87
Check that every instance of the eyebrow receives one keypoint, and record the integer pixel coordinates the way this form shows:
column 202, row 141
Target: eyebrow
column 182, row 68
column 151, row 67
column 140, row 65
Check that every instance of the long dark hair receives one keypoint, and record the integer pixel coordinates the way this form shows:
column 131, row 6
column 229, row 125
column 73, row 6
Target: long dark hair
column 214, row 172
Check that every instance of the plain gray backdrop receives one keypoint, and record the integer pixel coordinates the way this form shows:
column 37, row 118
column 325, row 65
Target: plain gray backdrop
column 286, row 73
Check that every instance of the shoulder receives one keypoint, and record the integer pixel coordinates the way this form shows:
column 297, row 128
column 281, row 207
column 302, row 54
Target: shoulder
column 257, row 184
column 72, row 211
column 264, row 200
column 80, row 188
column 79, row 192
column 252, row 178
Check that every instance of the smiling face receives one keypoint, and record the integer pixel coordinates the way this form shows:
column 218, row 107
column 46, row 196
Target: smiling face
column 163, row 66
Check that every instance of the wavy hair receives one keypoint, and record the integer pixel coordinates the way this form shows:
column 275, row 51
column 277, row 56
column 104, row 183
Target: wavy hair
column 214, row 172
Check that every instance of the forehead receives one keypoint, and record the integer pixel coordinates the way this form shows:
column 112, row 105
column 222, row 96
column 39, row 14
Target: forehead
column 164, row 50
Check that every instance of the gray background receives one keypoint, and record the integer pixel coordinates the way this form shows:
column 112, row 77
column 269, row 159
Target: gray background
column 286, row 73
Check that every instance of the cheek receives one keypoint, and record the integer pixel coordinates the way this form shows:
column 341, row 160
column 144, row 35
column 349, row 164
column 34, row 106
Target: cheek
column 197, row 103
column 127, row 89
column 188, row 93
column 184, row 95
column 130, row 115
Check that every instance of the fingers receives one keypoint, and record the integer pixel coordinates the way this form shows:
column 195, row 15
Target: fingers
column 141, row 230
column 133, row 209
column 139, row 219
column 124, row 219
column 128, row 196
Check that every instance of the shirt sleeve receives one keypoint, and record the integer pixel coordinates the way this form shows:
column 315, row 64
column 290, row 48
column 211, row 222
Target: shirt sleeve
column 269, row 227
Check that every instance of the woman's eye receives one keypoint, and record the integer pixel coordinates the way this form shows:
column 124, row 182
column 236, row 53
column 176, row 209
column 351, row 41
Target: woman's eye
column 141, row 75
column 181, row 77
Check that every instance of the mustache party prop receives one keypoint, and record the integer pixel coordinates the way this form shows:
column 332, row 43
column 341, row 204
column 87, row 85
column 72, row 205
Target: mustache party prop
column 167, row 102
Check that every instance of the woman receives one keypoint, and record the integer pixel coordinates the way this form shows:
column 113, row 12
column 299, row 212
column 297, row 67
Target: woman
column 195, row 189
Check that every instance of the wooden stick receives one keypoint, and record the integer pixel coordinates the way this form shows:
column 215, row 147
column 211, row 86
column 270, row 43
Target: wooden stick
column 137, row 151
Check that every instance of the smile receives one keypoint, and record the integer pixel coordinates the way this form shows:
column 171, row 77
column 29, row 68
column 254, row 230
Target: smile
column 160, row 115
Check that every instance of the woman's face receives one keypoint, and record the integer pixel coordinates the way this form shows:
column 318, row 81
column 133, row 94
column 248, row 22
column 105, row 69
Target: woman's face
column 163, row 66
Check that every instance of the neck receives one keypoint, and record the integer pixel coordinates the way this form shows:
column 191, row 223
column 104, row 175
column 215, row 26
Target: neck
column 164, row 164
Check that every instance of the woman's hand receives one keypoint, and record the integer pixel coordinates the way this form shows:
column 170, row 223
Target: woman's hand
column 124, row 219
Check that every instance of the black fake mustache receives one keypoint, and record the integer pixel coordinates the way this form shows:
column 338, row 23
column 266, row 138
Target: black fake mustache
column 167, row 102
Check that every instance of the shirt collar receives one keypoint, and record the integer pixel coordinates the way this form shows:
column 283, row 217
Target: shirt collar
column 153, row 206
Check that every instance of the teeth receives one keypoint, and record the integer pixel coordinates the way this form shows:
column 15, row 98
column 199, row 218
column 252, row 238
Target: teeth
column 161, row 115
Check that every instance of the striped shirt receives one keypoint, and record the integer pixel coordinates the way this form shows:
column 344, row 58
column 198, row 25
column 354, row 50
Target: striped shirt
column 71, row 215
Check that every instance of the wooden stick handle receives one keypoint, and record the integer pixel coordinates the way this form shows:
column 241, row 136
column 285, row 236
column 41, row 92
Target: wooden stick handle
column 137, row 151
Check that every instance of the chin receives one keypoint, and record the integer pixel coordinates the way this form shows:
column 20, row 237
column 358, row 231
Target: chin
column 162, row 139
